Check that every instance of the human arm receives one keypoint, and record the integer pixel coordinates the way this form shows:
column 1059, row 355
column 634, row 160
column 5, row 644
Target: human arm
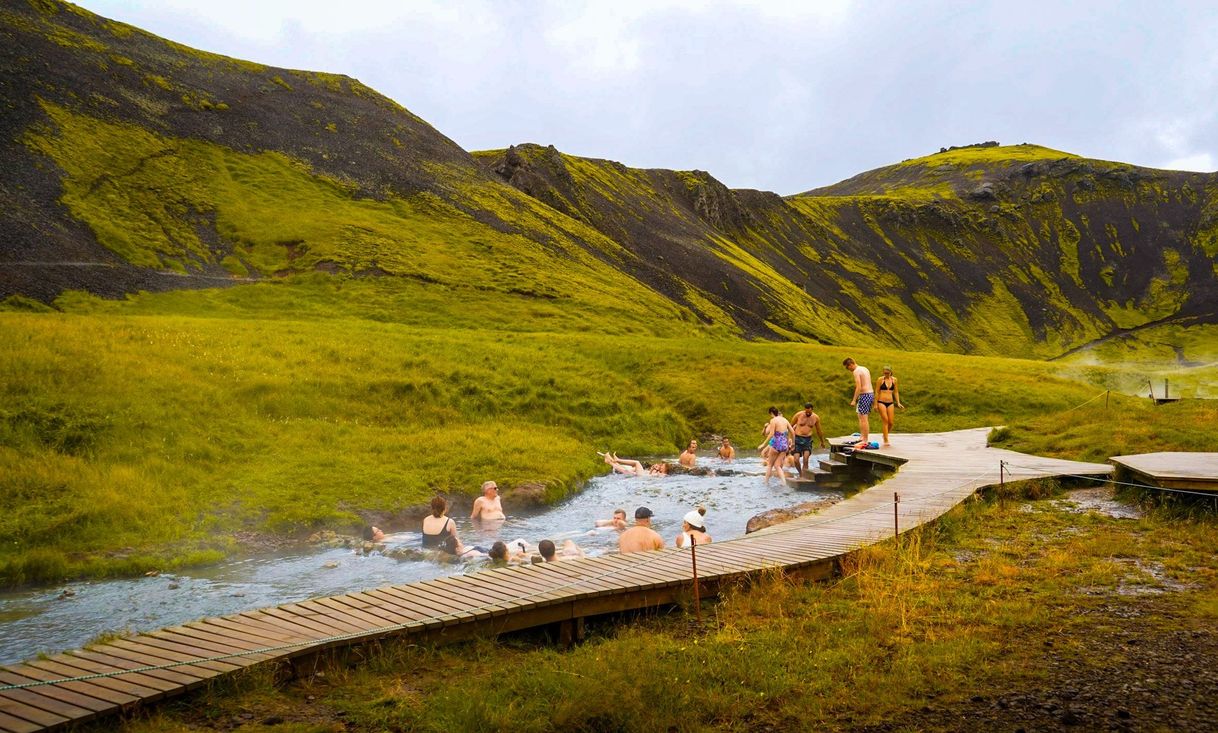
column 477, row 508
column 820, row 433
column 858, row 386
column 896, row 394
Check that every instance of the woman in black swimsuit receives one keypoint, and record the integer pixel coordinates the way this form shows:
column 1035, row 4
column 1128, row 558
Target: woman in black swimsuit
column 439, row 531
column 887, row 400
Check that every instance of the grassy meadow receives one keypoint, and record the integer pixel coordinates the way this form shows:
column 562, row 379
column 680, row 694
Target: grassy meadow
column 152, row 432
column 987, row 602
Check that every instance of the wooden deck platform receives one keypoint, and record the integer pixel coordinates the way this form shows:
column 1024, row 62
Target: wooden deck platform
column 937, row 472
column 1185, row 471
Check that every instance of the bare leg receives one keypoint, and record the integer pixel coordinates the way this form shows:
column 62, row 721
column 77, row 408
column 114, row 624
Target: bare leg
column 864, row 431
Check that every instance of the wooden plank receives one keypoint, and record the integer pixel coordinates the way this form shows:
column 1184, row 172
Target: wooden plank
column 186, row 653
column 422, row 617
column 59, row 692
column 340, row 625
column 13, row 724
column 119, row 692
column 185, row 675
column 155, row 655
column 312, row 620
column 357, row 622
column 47, row 704
column 469, row 595
column 304, row 628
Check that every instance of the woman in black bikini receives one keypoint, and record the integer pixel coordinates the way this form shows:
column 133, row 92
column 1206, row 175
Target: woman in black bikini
column 887, row 400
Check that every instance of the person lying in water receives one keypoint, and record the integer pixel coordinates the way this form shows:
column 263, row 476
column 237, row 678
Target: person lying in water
column 618, row 521
column 550, row 553
column 501, row 555
column 629, row 467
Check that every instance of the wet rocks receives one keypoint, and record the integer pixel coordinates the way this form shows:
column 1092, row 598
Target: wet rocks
column 786, row 514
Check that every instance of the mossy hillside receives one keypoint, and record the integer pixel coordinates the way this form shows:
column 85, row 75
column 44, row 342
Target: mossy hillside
column 146, row 196
column 147, row 436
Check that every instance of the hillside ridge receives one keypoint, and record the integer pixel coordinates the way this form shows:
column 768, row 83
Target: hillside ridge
column 134, row 164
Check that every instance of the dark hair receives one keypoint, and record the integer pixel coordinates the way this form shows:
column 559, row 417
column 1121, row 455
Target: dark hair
column 450, row 544
column 774, row 411
column 546, row 548
column 438, row 505
column 498, row 551
column 368, row 534
column 847, row 361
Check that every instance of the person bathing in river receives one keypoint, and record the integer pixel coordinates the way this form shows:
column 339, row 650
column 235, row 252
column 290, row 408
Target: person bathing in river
column 489, row 506
column 726, row 451
column 693, row 529
column 550, row 553
column 618, row 521
column 887, row 400
column 778, row 438
column 805, row 422
column 629, row 467
column 641, row 537
column 862, row 400
column 690, row 456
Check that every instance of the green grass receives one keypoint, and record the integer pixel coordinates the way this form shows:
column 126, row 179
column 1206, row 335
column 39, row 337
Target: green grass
column 978, row 604
column 1129, row 425
column 130, row 440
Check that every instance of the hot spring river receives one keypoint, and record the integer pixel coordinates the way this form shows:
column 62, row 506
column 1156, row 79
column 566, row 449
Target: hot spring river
column 33, row 621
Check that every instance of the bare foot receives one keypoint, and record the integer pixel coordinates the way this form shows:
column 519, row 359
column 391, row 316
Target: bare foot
column 886, row 445
column 860, row 445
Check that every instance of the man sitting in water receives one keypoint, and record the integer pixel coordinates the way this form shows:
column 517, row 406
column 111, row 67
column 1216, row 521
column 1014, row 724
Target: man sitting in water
column 689, row 457
column 641, row 537
column 618, row 521
column 488, row 506
column 726, row 451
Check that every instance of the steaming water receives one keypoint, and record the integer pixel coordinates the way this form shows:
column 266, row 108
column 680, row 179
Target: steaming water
column 40, row 620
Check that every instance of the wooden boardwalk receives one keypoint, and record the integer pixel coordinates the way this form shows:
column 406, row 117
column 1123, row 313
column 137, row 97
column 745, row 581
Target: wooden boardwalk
column 1186, row 471
column 937, row 471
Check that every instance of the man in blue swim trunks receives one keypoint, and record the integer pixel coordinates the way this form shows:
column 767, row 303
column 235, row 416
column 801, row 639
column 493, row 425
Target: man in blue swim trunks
column 863, row 399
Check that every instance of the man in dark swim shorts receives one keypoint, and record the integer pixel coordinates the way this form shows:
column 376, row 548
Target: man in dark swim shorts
column 864, row 398
column 802, row 425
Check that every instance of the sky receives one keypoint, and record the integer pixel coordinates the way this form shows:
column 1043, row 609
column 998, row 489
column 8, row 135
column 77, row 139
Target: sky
column 781, row 96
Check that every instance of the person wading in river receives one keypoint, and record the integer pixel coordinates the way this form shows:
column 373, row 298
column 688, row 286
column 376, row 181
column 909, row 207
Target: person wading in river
column 778, row 440
column 805, row 421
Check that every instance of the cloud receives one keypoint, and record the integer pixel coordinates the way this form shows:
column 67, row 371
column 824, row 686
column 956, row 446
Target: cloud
column 1199, row 162
column 783, row 96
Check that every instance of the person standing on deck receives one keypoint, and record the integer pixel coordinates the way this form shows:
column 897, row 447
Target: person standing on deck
column 488, row 506
column 641, row 537
column 863, row 399
column 887, row 400
column 803, row 426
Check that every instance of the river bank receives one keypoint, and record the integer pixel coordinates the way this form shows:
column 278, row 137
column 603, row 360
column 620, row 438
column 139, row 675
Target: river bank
column 1038, row 615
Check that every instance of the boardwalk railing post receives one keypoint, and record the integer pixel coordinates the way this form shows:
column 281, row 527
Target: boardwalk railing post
column 1106, row 396
column 693, row 557
column 1002, row 483
column 896, row 499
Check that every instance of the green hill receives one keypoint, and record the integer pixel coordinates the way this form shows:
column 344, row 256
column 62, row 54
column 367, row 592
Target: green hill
column 131, row 163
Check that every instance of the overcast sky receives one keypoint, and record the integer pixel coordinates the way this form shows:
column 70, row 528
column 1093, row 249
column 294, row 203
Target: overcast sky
column 783, row 96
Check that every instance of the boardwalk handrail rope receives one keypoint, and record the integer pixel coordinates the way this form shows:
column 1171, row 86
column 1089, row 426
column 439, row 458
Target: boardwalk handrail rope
column 1043, row 472
column 1087, row 402
column 391, row 628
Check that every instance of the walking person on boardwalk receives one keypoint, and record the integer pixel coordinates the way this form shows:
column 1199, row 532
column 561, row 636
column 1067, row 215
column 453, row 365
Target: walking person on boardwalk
column 863, row 399
column 804, row 423
column 887, row 400
column 778, row 439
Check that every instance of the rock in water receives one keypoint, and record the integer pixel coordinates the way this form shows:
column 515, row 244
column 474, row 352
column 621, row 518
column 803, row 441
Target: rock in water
column 786, row 514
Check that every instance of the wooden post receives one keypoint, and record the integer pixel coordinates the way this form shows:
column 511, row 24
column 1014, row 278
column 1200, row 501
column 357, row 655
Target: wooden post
column 1106, row 396
column 1166, row 390
column 693, row 557
column 1002, row 483
column 896, row 528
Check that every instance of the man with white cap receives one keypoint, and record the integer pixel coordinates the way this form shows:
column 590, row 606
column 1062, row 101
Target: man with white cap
column 641, row 537
column 693, row 528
